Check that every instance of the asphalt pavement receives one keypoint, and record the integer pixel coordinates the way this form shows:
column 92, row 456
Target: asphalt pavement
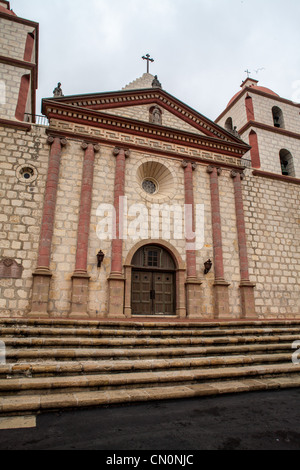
column 253, row 421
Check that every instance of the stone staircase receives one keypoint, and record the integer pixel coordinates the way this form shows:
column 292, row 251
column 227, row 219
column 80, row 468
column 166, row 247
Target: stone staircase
column 59, row 364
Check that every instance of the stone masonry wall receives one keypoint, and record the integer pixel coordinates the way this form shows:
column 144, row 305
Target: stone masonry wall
column 13, row 38
column 21, row 203
column 273, row 231
column 66, row 220
column 271, row 212
column 10, row 79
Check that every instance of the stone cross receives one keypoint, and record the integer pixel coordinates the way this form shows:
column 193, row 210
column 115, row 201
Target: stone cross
column 147, row 58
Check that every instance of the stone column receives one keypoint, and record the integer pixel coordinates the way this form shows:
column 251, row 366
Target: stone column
column 247, row 287
column 116, row 279
column 220, row 285
column 80, row 278
column 42, row 274
column 193, row 290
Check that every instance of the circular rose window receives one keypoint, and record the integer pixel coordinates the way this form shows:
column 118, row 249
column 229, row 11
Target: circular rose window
column 155, row 180
column 149, row 186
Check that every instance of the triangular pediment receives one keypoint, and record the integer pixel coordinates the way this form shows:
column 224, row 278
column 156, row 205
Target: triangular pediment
column 137, row 106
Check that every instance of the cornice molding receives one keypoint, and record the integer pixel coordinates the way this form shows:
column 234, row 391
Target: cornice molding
column 17, row 19
column 274, row 176
column 60, row 111
column 17, row 63
column 266, row 127
column 23, row 126
column 110, row 100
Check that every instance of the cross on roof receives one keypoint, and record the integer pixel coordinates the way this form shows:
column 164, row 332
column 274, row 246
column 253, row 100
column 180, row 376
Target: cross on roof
column 147, row 58
column 247, row 72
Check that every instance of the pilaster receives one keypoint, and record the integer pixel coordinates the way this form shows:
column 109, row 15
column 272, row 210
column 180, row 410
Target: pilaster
column 193, row 285
column 221, row 295
column 80, row 278
column 246, row 287
column 42, row 275
column 116, row 280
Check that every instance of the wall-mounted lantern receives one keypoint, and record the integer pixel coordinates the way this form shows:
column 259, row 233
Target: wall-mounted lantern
column 208, row 266
column 100, row 258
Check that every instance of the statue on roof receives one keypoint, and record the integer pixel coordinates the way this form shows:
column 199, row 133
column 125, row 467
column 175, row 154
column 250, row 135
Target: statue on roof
column 57, row 92
column 156, row 83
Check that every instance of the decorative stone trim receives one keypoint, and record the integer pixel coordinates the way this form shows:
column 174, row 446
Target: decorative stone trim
column 86, row 116
column 26, row 174
column 162, row 177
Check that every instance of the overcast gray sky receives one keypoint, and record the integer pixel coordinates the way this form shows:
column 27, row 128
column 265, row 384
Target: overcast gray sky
column 201, row 47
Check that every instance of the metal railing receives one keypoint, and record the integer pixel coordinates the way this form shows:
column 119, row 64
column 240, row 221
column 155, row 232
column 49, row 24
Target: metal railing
column 40, row 120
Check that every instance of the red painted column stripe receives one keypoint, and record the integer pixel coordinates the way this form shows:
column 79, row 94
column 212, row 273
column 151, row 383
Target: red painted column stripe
column 85, row 207
column 29, row 47
column 23, row 96
column 216, row 223
column 190, row 218
column 255, row 158
column 249, row 108
column 50, row 202
column 241, row 229
column 117, row 242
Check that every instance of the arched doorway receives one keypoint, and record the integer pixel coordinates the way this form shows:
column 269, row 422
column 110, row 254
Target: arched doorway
column 153, row 282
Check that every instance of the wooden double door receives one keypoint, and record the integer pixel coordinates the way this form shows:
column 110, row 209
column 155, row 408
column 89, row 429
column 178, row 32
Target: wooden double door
column 153, row 292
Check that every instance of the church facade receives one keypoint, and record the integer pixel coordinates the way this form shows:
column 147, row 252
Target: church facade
column 130, row 204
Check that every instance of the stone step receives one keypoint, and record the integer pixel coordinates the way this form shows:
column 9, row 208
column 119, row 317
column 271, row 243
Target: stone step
column 142, row 325
column 54, row 364
column 48, row 385
column 110, row 342
column 31, row 354
column 26, row 331
column 37, row 403
column 52, row 369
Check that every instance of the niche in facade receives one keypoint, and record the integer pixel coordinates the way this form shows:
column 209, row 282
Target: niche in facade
column 278, row 117
column 287, row 163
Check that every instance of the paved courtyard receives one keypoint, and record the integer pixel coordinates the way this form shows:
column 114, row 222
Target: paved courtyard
column 260, row 420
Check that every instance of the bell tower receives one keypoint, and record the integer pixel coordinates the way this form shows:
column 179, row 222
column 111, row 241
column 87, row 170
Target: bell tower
column 18, row 66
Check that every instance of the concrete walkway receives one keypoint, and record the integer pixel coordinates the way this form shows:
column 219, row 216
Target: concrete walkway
column 255, row 421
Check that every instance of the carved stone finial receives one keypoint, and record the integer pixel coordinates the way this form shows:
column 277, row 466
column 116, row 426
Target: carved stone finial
column 57, row 92
column 156, row 83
